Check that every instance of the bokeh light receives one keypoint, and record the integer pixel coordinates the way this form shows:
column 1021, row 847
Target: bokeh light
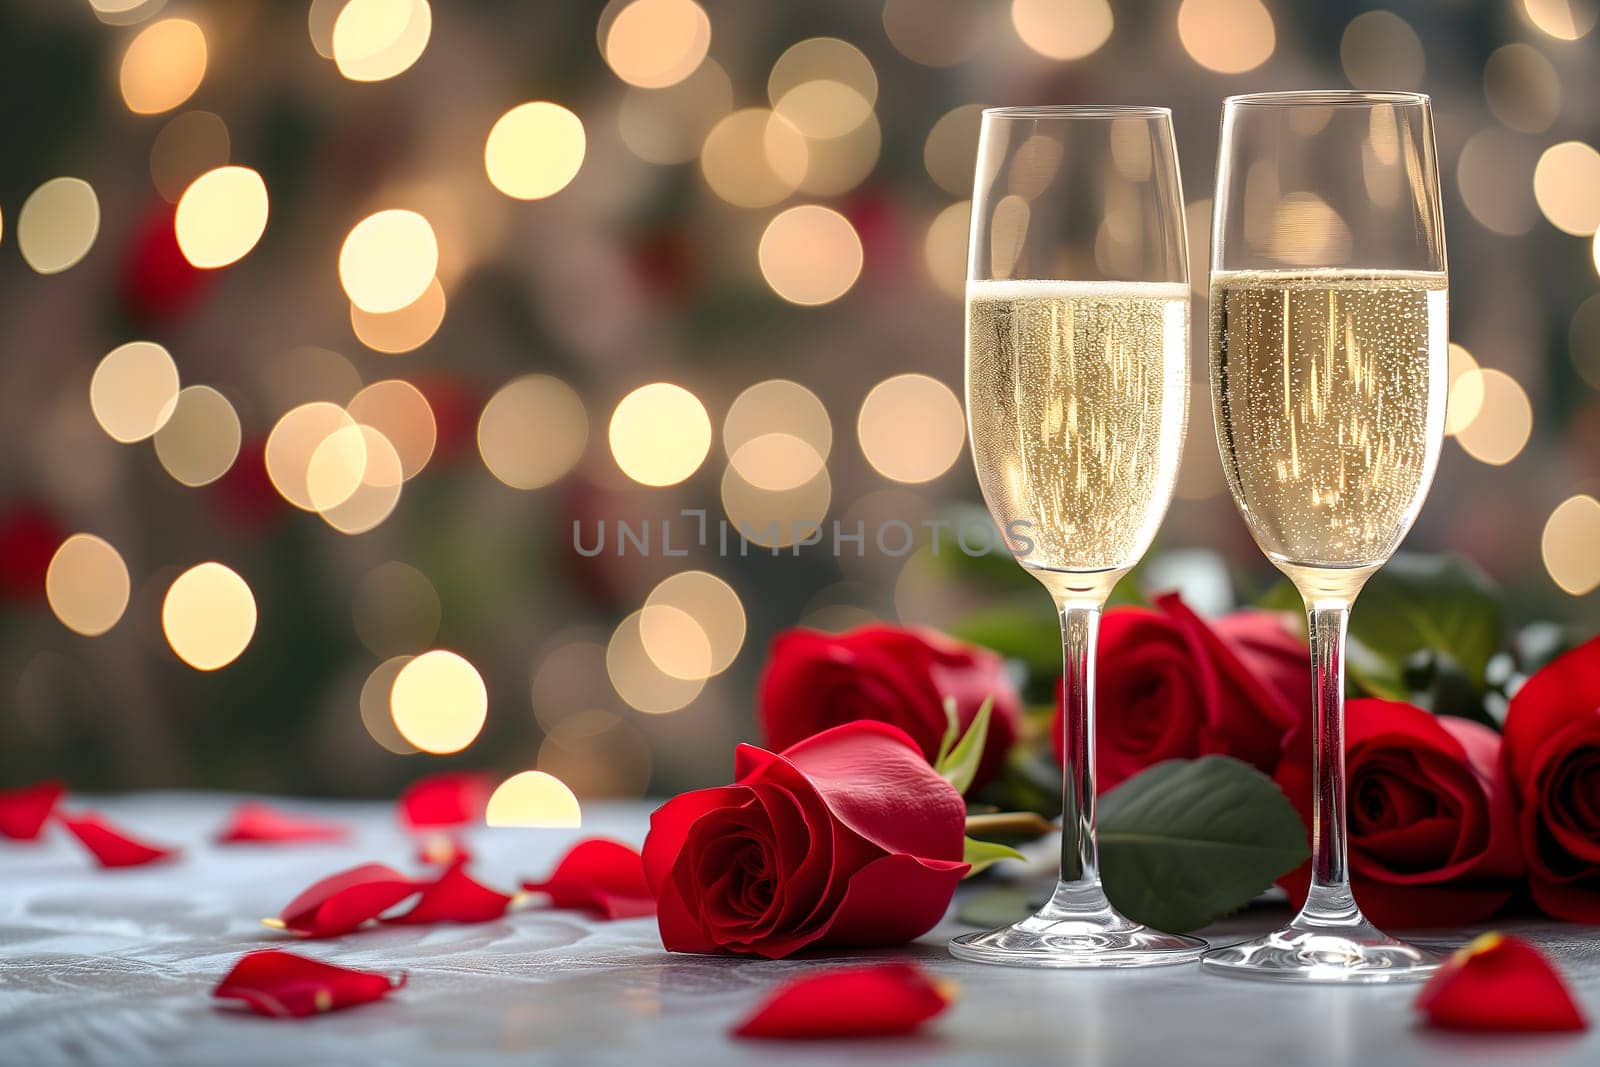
column 951, row 149
column 58, row 224
column 375, row 714
column 823, row 85
column 660, row 434
column 187, row 146
column 396, row 611
column 1566, row 184
column 307, row 373
column 134, row 391
column 532, row 431
column 777, row 435
column 209, row 616
column 200, row 441
column 534, row 798
column 1569, row 542
column 1380, row 50
column 1062, row 29
column 754, row 157
column 1504, row 421
column 405, row 330
column 710, row 606
column 87, row 585
column 297, row 437
column 944, row 250
column 374, row 40
column 636, row 678
column 1565, row 20
column 1522, row 87
column 653, row 44
column 775, row 518
column 1465, row 397
column 375, row 490
column 439, row 702
column 810, row 255
column 836, row 165
column 221, row 216
column 1495, row 176
column 534, row 150
column 935, row 33
column 1227, row 36
column 388, row 260
column 163, row 66
column 911, row 428
column 398, row 410
column 669, row 125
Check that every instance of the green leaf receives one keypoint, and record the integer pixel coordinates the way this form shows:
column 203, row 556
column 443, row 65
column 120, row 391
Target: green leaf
column 1186, row 842
column 1416, row 603
column 984, row 854
column 1000, row 906
column 952, row 730
column 960, row 764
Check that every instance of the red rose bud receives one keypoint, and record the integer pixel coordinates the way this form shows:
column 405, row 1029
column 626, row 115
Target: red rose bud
column 25, row 810
column 453, row 798
column 341, row 902
column 1431, row 834
column 256, row 823
column 601, row 876
column 1499, row 982
column 816, row 680
column 455, row 897
column 848, row 838
column 110, row 846
column 286, row 985
column 1173, row 686
column 1552, row 753
column 882, row 1000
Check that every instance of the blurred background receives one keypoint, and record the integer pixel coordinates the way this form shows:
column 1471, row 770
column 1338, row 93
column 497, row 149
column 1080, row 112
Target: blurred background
column 322, row 324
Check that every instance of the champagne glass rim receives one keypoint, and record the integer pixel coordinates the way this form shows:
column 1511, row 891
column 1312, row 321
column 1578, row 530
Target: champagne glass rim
column 1077, row 111
column 1328, row 98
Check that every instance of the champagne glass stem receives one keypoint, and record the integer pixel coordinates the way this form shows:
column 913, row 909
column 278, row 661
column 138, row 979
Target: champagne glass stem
column 1080, row 627
column 1329, row 901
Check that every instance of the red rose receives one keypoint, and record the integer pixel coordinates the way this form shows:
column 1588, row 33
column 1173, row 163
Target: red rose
column 847, row 839
column 900, row 676
column 1173, row 686
column 1431, row 831
column 1552, row 753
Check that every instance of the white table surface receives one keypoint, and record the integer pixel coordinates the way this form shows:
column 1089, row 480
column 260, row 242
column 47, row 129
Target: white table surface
column 117, row 967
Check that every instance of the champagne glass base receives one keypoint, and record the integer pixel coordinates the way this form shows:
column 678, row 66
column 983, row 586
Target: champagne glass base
column 1077, row 928
column 1358, row 954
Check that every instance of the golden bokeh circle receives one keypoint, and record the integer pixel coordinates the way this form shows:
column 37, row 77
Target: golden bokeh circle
column 58, row 224
column 653, row 44
column 660, row 434
column 208, row 616
column 374, row 40
column 199, row 443
column 533, row 798
column 911, row 428
column 439, row 702
column 163, row 66
column 810, row 255
column 87, row 585
column 532, row 431
column 1568, row 545
column 134, row 391
column 221, row 216
column 388, row 260
column 534, row 150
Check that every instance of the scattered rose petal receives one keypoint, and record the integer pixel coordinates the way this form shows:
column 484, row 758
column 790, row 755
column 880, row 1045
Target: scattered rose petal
column 286, row 985
column 254, row 823
column 456, row 897
column 599, row 875
column 110, row 846
column 442, row 850
column 1499, row 982
column 449, row 799
column 875, row 1001
column 341, row 902
column 23, row 811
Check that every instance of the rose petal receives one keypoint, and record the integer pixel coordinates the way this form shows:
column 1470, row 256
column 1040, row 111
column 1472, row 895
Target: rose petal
column 876, row 1001
column 448, row 799
column 24, row 811
column 1499, row 982
column 286, row 985
column 341, row 902
column 455, row 897
column 442, row 850
column 602, row 876
column 254, row 822
column 110, row 846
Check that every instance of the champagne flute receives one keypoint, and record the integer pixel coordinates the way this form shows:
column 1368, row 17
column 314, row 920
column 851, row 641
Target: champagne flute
column 1077, row 398
column 1329, row 334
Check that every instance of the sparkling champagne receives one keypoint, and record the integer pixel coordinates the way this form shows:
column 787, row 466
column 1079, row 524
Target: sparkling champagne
column 1077, row 398
column 1329, row 390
